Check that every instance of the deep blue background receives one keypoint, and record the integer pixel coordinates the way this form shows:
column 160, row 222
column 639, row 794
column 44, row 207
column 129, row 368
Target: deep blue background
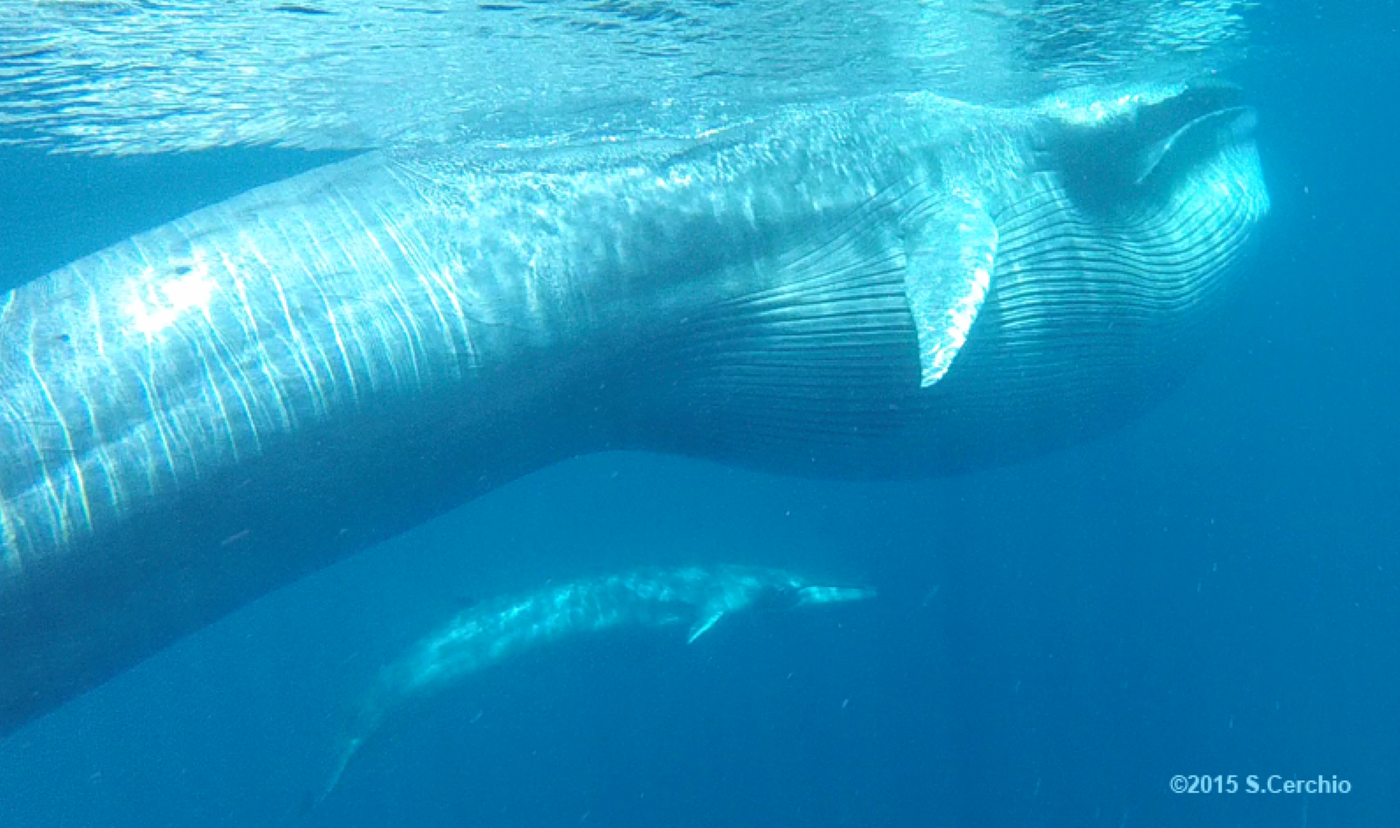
column 1213, row 590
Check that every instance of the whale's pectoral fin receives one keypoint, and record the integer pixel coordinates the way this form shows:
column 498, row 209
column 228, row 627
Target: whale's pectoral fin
column 703, row 626
column 949, row 253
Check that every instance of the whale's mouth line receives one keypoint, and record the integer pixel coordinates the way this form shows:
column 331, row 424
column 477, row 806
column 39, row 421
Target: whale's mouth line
column 1147, row 151
column 1198, row 139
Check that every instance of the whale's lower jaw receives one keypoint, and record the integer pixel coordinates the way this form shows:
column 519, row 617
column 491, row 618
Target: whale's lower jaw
column 1090, row 321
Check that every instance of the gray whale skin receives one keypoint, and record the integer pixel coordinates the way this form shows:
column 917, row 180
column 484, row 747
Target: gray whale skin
column 891, row 286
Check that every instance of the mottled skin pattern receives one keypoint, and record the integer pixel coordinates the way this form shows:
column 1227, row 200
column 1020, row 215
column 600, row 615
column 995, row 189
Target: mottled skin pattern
column 219, row 406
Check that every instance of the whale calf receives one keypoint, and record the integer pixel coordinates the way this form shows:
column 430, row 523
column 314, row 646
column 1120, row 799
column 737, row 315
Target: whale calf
column 888, row 286
column 492, row 632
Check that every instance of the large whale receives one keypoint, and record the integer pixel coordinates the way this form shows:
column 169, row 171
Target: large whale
column 483, row 636
column 896, row 285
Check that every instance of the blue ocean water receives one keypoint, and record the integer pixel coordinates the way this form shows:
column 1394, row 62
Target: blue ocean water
column 1213, row 590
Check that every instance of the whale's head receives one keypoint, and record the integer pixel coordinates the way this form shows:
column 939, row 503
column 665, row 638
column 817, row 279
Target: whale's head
column 811, row 595
column 1061, row 268
column 1120, row 154
column 1117, row 256
column 787, row 591
column 746, row 588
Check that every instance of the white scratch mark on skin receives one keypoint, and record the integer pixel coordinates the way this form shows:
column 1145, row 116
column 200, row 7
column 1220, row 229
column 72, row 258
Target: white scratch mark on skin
column 327, row 363
column 430, row 274
column 95, row 317
column 183, row 424
column 228, row 362
column 149, row 387
column 413, row 337
column 9, row 536
column 344, row 354
column 386, row 344
column 114, row 491
column 263, row 359
column 157, row 415
column 85, row 398
column 430, row 292
column 298, row 348
column 101, row 454
column 213, row 385
column 445, row 278
column 149, row 467
column 60, row 503
column 324, row 263
column 356, row 327
column 420, row 268
column 9, row 543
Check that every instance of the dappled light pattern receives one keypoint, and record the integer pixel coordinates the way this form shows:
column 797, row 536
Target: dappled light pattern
column 129, row 77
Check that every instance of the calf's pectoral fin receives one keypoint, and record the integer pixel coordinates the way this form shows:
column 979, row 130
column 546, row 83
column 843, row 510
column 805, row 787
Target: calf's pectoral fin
column 949, row 253
column 703, row 626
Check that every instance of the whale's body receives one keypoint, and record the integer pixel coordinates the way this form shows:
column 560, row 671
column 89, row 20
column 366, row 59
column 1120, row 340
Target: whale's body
column 495, row 631
column 892, row 286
